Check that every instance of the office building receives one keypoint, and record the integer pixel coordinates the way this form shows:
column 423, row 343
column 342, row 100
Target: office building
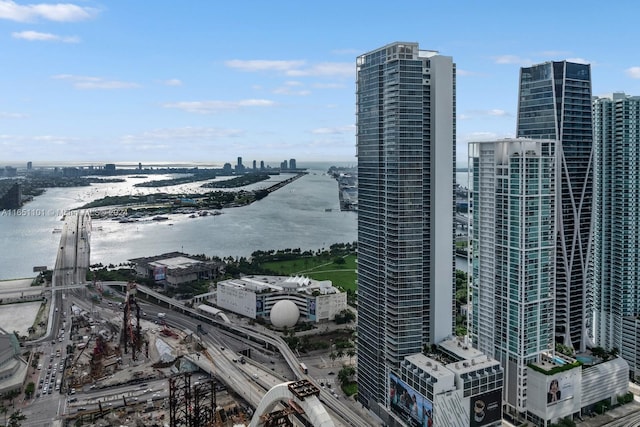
column 617, row 225
column 513, row 256
column 555, row 103
column 406, row 162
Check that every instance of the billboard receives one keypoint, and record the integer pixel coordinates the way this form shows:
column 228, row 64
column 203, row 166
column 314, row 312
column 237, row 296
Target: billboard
column 159, row 273
column 408, row 404
column 559, row 388
column 485, row 408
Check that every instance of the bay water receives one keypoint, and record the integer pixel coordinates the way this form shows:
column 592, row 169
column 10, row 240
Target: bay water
column 304, row 214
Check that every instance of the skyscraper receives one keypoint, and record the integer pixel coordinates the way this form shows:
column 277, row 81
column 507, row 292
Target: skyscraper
column 513, row 256
column 617, row 225
column 555, row 103
column 406, row 162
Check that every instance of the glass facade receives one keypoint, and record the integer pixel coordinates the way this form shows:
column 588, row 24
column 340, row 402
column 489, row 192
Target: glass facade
column 401, row 157
column 513, row 255
column 555, row 103
column 617, row 223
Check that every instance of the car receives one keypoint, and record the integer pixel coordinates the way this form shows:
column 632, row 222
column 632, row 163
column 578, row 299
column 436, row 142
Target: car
column 73, row 399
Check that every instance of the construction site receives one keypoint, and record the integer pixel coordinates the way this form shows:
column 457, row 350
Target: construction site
column 130, row 371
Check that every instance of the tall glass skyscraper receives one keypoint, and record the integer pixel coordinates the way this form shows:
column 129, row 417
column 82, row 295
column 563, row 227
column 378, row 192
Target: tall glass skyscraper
column 555, row 103
column 406, row 163
column 513, row 256
column 617, row 225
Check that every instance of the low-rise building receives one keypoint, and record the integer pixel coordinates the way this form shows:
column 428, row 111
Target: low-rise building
column 13, row 368
column 175, row 268
column 559, row 386
column 255, row 296
column 454, row 385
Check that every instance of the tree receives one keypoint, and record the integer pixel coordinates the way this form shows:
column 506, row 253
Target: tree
column 333, row 357
column 15, row 418
column 29, row 389
column 351, row 352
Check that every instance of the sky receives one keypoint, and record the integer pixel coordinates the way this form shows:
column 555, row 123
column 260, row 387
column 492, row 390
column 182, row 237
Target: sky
column 212, row 80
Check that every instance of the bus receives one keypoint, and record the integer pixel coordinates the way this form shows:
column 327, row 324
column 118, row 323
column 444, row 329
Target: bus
column 304, row 368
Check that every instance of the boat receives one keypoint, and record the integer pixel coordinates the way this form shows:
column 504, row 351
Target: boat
column 57, row 230
column 328, row 210
column 160, row 218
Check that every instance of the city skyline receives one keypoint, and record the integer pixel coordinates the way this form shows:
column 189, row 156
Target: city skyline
column 115, row 82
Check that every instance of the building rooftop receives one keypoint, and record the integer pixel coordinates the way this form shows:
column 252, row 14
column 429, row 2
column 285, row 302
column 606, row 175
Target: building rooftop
column 283, row 283
column 175, row 262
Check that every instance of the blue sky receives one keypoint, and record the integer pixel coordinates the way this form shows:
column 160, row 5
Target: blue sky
column 207, row 81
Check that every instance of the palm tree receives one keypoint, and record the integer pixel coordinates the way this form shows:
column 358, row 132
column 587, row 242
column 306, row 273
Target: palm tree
column 333, row 357
column 351, row 352
column 15, row 418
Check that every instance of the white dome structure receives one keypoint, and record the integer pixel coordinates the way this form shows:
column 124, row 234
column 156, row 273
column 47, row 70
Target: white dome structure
column 284, row 313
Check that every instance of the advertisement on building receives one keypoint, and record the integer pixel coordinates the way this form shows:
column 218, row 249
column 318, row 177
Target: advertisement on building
column 408, row 404
column 312, row 307
column 559, row 388
column 485, row 408
column 159, row 273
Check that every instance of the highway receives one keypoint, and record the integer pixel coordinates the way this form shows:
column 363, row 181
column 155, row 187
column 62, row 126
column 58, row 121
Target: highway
column 72, row 264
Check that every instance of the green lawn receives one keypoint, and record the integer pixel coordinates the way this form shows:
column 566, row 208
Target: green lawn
column 317, row 268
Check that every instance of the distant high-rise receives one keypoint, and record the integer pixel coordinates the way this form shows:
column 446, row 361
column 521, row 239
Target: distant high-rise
column 617, row 225
column 292, row 163
column 29, row 166
column 555, row 103
column 406, row 162
column 513, row 256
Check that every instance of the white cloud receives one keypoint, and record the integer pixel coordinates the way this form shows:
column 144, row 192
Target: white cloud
column 60, row 12
column 338, row 130
column 512, row 59
column 87, row 82
column 37, row 36
column 182, row 134
column 290, row 88
column 5, row 115
column 633, row 72
column 263, row 65
column 460, row 72
column 295, row 67
column 341, row 69
column 579, row 61
column 210, row 107
column 328, row 85
column 472, row 114
column 172, row 82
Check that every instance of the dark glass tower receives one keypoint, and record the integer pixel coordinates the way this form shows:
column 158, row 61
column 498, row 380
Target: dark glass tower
column 406, row 161
column 555, row 103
